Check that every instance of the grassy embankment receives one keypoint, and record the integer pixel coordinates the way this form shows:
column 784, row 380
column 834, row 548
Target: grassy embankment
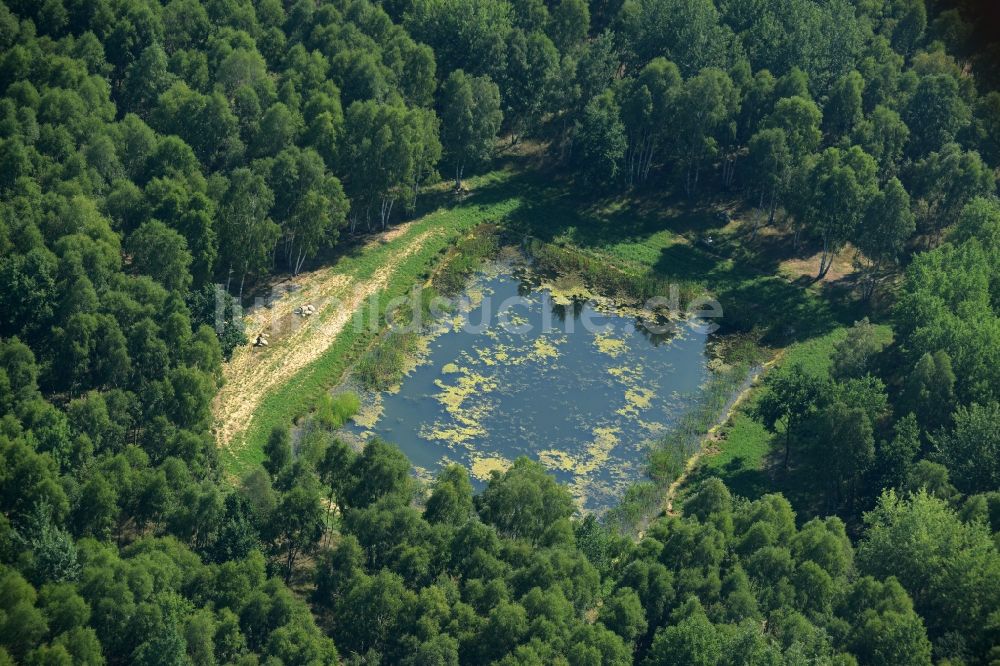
column 395, row 351
column 493, row 197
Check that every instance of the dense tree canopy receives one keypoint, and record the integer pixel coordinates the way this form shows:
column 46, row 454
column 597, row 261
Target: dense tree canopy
column 160, row 160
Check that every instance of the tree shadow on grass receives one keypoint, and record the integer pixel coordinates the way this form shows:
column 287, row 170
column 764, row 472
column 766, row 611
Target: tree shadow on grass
column 753, row 478
column 784, row 313
column 751, row 297
column 741, row 479
column 596, row 219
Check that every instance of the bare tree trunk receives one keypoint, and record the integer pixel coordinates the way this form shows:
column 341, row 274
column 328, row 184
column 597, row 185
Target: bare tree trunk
column 640, row 155
column 641, row 161
column 386, row 210
column 825, row 259
column 868, row 288
column 650, row 151
column 870, row 281
column 728, row 166
column 298, row 262
column 629, row 157
column 757, row 216
column 634, row 166
column 290, row 562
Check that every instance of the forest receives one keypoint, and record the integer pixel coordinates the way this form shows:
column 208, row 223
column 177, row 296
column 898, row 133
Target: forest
column 163, row 162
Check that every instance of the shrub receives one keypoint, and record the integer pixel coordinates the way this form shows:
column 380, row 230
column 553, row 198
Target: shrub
column 333, row 411
column 384, row 366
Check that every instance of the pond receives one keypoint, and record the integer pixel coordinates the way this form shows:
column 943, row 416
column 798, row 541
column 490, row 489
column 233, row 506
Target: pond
column 522, row 367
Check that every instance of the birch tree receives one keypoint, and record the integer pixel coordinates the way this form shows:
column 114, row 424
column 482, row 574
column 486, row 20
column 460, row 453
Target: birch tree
column 887, row 225
column 770, row 163
column 532, row 68
column 840, row 185
column 388, row 150
column 470, row 120
column 649, row 112
column 309, row 202
column 248, row 234
column 708, row 100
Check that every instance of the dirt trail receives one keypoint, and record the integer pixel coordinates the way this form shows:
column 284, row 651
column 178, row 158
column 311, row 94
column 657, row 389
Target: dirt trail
column 693, row 461
column 297, row 341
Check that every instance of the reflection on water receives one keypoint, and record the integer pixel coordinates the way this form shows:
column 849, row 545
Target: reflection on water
column 583, row 402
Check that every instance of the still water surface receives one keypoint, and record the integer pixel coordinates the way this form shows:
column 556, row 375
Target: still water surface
column 539, row 381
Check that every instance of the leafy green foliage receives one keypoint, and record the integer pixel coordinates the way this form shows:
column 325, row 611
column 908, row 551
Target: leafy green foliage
column 601, row 138
column 334, row 411
column 161, row 160
column 949, row 567
column 470, row 120
column 383, row 367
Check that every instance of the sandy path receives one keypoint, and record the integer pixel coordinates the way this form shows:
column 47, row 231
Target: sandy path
column 295, row 341
column 712, row 432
